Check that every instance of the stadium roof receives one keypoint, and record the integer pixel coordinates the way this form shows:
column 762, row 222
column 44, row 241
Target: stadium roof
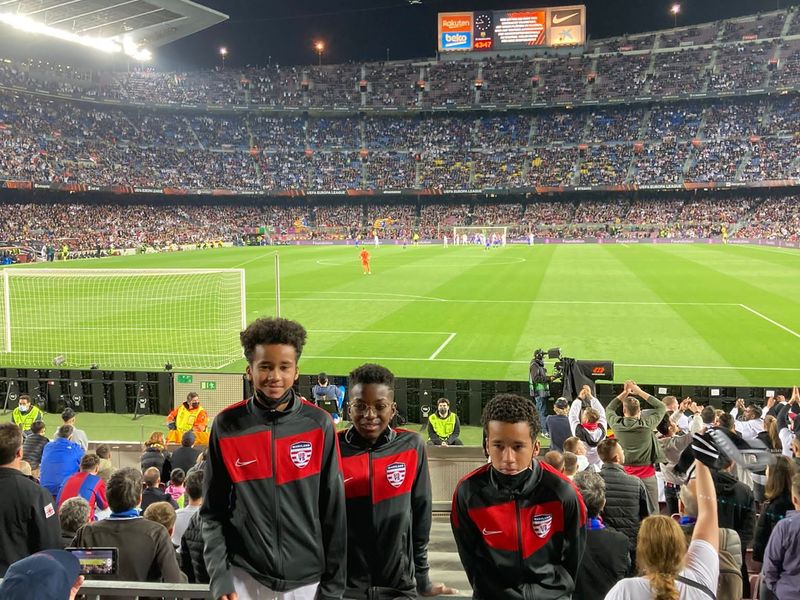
column 148, row 23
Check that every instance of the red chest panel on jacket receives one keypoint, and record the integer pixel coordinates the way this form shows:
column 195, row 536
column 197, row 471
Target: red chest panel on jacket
column 298, row 456
column 498, row 526
column 248, row 457
column 391, row 475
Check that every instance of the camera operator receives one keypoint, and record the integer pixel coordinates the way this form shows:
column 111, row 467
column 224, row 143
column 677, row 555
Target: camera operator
column 539, row 388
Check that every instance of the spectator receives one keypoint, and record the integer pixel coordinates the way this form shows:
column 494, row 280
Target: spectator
column 240, row 451
column 175, row 488
column 189, row 416
column 673, row 442
column 587, row 421
column 781, row 569
column 627, row 501
column 324, row 392
column 749, row 422
column 557, row 425
column 152, row 490
column 156, row 455
column 163, row 513
column 778, row 497
column 106, row 467
column 34, row 444
column 46, row 575
column 25, row 414
column 737, row 507
column 185, row 457
column 555, row 459
column 73, row 514
column 731, row 551
column 191, row 551
column 635, row 435
column 379, row 555
column 27, row 515
column 145, row 550
column 86, row 484
column 499, row 567
column 571, row 464
column 607, row 557
column 194, row 494
column 78, row 435
column 669, row 570
column 578, row 448
column 60, row 459
column 444, row 426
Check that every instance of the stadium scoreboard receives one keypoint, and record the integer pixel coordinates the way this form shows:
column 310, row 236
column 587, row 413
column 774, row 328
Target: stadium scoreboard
column 517, row 29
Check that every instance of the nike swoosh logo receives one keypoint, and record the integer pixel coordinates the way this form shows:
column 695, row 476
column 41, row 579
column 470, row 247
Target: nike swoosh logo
column 557, row 19
column 348, row 479
column 487, row 532
column 244, row 463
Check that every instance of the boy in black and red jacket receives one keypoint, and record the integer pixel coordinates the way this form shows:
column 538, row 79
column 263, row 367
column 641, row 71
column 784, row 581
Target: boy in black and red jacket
column 388, row 491
column 520, row 526
column 273, row 510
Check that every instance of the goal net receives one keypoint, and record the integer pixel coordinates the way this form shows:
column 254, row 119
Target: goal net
column 122, row 319
column 478, row 234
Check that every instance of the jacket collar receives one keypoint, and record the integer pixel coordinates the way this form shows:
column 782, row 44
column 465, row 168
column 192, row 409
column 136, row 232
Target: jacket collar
column 265, row 414
column 354, row 438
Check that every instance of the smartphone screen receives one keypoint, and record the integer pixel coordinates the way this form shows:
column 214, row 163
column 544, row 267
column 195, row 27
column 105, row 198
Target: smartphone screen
column 96, row 561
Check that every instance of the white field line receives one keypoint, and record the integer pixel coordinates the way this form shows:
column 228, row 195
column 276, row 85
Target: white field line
column 252, row 260
column 766, row 318
column 440, row 348
column 474, row 301
column 525, row 362
column 379, row 331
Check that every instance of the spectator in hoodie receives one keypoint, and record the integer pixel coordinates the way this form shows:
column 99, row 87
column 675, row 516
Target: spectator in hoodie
column 185, row 456
column 176, row 488
column 781, row 570
column 60, row 459
column 591, row 431
column 737, row 507
column 155, row 455
column 557, row 424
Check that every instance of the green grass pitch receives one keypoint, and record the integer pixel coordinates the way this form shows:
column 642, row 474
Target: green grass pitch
column 679, row 314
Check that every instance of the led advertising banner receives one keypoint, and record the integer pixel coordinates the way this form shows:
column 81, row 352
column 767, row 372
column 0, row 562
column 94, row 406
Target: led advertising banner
column 481, row 31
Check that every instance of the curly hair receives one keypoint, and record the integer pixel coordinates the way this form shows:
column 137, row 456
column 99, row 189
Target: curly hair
column 511, row 408
column 371, row 373
column 272, row 331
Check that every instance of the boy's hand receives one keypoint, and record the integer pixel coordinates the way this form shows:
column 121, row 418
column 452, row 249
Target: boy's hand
column 438, row 589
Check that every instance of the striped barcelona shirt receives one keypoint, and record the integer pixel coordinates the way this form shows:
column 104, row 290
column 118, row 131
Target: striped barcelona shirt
column 87, row 486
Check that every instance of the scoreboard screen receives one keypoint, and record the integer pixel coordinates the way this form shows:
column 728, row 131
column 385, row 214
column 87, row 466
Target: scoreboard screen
column 512, row 29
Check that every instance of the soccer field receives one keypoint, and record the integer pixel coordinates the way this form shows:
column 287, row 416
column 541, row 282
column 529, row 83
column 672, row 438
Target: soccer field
column 683, row 314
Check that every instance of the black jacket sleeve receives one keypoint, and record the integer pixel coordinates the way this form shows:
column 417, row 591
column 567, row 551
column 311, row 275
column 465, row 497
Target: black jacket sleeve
column 215, row 512
column 761, row 536
column 332, row 514
column 574, row 534
column 44, row 531
column 466, row 534
column 421, row 508
column 748, row 520
column 186, row 561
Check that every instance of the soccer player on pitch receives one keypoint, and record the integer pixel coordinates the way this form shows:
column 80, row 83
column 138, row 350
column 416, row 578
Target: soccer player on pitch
column 365, row 268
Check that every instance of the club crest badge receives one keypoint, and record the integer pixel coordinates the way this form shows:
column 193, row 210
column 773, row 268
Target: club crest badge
column 300, row 453
column 542, row 525
column 396, row 474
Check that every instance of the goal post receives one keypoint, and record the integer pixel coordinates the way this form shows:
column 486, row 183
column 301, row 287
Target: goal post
column 483, row 232
column 123, row 318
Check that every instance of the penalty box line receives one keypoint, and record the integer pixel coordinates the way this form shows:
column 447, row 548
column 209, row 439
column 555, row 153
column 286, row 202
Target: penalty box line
column 450, row 335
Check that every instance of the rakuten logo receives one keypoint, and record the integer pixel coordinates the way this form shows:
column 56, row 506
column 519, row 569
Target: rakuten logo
column 456, row 40
column 456, row 23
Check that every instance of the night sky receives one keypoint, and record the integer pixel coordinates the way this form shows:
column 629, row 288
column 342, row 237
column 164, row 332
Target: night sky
column 283, row 31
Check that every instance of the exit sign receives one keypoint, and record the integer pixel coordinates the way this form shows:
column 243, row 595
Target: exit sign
column 208, row 385
column 184, row 378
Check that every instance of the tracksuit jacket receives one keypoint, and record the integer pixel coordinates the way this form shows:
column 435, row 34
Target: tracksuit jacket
column 519, row 537
column 274, row 499
column 388, row 491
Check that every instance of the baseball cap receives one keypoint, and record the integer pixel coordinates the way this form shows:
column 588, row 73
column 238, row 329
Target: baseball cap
column 46, row 575
column 562, row 403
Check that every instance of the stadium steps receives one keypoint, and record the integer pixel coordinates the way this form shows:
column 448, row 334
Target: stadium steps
column 443, row 558
column 787, row 23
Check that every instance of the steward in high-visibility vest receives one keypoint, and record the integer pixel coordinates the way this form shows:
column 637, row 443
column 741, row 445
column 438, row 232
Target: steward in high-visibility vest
column 189, row 416
column 444, row 426
column 25, row 414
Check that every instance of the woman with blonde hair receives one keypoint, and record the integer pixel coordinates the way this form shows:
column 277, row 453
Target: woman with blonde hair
column 669, row 570
column 156, row 455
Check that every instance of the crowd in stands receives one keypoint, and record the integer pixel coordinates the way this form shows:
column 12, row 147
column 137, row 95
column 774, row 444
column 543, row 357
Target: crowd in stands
column 100, row 229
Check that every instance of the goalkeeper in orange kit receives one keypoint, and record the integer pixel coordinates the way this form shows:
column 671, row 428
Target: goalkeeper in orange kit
column 365, row 262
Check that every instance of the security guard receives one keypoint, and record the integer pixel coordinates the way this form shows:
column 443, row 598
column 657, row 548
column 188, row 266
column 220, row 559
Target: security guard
column 25, row 414
column 444, row 426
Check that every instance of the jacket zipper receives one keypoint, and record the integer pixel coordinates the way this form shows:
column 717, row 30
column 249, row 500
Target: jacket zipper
column 519, row 536
column 279, row 545
column 371, row 494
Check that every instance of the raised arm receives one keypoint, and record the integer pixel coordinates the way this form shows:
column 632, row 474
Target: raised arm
column 707, row 527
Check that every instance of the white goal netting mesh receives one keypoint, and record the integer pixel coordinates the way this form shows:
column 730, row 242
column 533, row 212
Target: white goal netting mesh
column 122, row 319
